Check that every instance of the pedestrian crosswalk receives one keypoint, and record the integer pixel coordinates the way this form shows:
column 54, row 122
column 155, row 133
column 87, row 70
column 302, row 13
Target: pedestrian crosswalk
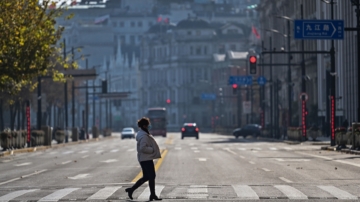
column 234, row 192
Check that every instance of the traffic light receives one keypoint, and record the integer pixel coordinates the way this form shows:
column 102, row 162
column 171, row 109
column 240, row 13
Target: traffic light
column 252, row 60
column 234, row 86
column 104, row 86
column 168, row 101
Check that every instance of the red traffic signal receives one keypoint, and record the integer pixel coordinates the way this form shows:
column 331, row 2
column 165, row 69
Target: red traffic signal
column 252, row 59
column 168, row 101
column 234, row 85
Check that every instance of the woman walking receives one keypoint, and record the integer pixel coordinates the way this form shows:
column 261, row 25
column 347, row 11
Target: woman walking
column 147, row 151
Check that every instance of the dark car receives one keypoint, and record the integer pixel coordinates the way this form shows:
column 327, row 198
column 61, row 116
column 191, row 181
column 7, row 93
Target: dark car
column 189, row 130
column 250, row 129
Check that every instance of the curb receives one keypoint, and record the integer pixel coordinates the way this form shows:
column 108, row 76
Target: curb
column 347, row 151
column 41, row 148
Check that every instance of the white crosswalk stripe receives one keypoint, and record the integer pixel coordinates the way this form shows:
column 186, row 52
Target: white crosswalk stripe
column 13, row 195
column 291, row 192
column 338, row 193
column 236, row 191
column 197, row 191
column 146, row 193
column 104, row 193
column 245, row 192
column 57, row 195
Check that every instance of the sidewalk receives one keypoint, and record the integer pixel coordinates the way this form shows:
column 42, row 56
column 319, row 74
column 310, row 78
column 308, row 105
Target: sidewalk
column 54, row 144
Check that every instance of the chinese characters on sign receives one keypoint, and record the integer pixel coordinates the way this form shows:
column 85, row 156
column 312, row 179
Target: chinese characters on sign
column 319, row 29
column 240, row 80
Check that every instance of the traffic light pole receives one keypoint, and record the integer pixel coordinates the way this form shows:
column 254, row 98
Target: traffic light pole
column 303, row 84
column 289, row 118
column 271, row 93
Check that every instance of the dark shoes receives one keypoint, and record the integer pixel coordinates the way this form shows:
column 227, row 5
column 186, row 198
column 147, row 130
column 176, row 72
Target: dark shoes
column 154, row 198
column 130, row 192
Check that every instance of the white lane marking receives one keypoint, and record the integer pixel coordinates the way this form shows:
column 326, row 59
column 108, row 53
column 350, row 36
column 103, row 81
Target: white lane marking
column 196, row 151
column 254, row 151
column 58, row 194
column 252, row 162
column 194, row 148
column 146, row 193
column 83, row 152
column 257, row 148
column 177, row 148
column 291, row 192
column 114, row 150
column 66, row 162
column 266, row 170
column 285, row 180
column 54, row 152
column 99, row 151
column 296, row 160
column 197, row 191
column 210, row 148
column 110, row 161
column 242, row 157
column 202, row 159
column 130, row 150
column 104, row 193
column 191, row 144
column 68, row 152
column 24, row 176
column 242, row 149
column 245, row 192
column 338, row 193
column 288, row 148
column 12, row 195
column 273, row 148
column 85, row 156
column 331, row 159
column 80, row 176
column 229, row 150
column 23, row 164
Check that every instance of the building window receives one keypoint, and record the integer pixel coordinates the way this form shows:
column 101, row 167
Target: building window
column 222, row 49
column 114, row 24
column 198, row 32
column 140, row 24
column 132, row 39
column 132, row 24
column 122, row 39
column 233, row 47
column 191, row 50
column 140, row 38
column 121, row 24
column 198, row 50
column 205, row 50
column 151, row 24
column 189, row 33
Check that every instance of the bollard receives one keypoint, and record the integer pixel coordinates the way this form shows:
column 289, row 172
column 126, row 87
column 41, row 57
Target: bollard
column 47, row 135
column 95, row 132
column 75, row 135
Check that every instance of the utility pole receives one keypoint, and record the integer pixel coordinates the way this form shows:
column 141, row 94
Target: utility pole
column 94, row 119
column 39, row 117
column 303, row 84
column 65, row 96
column 289, row 75
column 333, row 84
column 271, row 93
column 262, row 90
column 73, row 90
column 86, row 125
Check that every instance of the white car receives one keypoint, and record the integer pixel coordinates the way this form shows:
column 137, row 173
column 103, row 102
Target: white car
column 128, row 133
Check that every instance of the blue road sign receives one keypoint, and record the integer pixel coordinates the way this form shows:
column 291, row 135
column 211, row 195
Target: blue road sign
column 208, row 96
column 319, row 29
column 261, row 80
column 240, row 80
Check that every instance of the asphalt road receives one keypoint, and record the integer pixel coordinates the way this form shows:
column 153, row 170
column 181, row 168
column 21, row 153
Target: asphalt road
column 213, row 168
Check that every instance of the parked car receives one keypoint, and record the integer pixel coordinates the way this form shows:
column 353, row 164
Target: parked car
column 128, row 133
column 250, row 129
column 189, row 130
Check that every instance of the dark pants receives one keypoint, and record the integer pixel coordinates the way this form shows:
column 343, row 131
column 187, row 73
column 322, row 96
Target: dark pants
column 148, row 170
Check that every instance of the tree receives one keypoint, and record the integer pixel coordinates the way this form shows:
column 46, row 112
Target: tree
column 28, row 38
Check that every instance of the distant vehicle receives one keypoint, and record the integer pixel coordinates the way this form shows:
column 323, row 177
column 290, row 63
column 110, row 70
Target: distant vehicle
column 158, row 120
column 250, row 129
column 128, row 133
column 189, row 130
